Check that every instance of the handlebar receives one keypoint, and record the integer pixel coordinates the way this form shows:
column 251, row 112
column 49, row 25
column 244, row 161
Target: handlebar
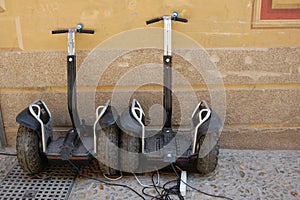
column 59, row 31
column 154, row 20
column 180, row 19
column 85, row 31
column 77, row 31
column 151, row 21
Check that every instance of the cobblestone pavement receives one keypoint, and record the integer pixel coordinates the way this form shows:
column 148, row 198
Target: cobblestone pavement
column 241, row 174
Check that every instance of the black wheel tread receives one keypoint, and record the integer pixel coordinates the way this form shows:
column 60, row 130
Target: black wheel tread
column 28, row 152
column 208, row 163
column 129, row 158
column 108, row 152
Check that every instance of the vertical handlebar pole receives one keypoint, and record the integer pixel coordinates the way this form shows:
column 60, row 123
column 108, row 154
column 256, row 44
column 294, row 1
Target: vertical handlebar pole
column 71, row 41
column 167, row 59
column 167, row 35
column 71, row 76
column 71, row 71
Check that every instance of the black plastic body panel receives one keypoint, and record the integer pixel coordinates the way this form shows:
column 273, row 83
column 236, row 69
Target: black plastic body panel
column 180, row 142
column 128, row 124
column 109, row 118
column 167, row 92
column 25, row 118
column 212, row 124
column 72, row 97
column 179, row 145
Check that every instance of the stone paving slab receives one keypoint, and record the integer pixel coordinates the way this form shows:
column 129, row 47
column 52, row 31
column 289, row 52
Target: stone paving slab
column 241, row 174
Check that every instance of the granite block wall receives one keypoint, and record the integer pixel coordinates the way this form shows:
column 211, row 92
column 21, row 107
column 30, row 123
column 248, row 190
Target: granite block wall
column 260, row 89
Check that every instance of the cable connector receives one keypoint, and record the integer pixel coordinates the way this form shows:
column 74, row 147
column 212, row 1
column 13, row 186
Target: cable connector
column 175, row 15
column 183, row 180
column 79, row 27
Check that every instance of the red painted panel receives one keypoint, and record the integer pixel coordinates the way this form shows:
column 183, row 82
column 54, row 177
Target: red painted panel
column 268, row 13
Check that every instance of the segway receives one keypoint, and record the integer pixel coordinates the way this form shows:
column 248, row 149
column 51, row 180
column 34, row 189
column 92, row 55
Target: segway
column 35, row 143
column 194, row 150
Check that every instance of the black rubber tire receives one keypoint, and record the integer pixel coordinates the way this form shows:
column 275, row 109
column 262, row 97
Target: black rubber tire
column 28, row 151
column 129, row 149
column 209, row 162
column 108, row 151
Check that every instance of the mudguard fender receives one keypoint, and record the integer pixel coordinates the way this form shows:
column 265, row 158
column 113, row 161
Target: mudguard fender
column 132, row 121
column 38, row 118
column 25, row 118
column 204, row 120
column 128, row 123
column 109, row 117
column 105, row 116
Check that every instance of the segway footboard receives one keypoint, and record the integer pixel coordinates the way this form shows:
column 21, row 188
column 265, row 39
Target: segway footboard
column 198, row 153
column 161, row 150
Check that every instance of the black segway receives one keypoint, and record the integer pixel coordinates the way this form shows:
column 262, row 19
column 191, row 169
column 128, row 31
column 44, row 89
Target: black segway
column 35, row 142
column 194, row 150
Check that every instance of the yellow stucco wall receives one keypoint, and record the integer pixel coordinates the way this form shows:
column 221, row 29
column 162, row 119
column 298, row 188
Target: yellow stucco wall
column 26, row 25
column 261, row 82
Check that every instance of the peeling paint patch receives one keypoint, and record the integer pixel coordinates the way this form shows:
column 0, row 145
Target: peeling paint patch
column 124, row 64
column 132, row 4
column 214, row 58
column 19, row 33
column 2, row 6
column 88, row 15
column 254, row 75
column 107, row 13
column 224, row 33
column 248, row 60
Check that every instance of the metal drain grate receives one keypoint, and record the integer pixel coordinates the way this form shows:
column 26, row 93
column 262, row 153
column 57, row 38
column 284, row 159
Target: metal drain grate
column 54, row 183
